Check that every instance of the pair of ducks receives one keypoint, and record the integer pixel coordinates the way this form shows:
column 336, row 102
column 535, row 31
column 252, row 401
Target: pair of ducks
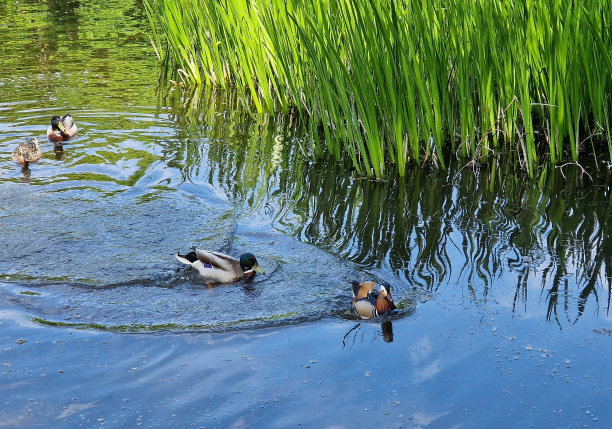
column 61, row 129
column 220, row 268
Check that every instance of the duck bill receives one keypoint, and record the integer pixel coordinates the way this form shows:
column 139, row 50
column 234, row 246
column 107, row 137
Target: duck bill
column 61, row 127
column 258, row 269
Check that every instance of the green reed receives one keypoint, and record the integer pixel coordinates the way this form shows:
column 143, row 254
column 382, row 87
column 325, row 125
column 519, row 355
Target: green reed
column 492, row 227
column 393, row 82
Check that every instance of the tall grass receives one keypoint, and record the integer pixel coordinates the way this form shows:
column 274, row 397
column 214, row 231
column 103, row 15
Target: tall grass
column 392, row 82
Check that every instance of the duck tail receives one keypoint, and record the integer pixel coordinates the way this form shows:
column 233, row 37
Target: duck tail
column 355, row 287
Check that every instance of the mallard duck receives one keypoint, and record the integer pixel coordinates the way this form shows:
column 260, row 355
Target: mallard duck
column 369, row 302
column 61, row 128
column 220, row 268
column 28, row 151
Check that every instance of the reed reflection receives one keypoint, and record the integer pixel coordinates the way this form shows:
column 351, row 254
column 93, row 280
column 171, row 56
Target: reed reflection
column 482, row 229
column 358, row 333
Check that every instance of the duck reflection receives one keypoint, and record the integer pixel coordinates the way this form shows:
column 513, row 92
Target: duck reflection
column 25, row 170
column 359, row 333
column 58, row 149
column 387, row 331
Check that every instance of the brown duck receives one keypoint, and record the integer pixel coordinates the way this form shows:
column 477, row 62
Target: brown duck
column 369, row 302
column 28, row 151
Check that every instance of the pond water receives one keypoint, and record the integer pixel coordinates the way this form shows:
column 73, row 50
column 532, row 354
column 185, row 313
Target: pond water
column 503, row 284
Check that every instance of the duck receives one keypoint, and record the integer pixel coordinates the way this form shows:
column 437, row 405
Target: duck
column 28, row 151
column 61, row 128
column 369, row 302
column 220, row 268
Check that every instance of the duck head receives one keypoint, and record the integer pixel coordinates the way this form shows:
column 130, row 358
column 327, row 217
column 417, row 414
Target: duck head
column 384, row 301
column 56, row 124
column 248, row 261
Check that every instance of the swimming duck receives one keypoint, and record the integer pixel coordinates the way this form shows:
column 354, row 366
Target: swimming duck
column 221, row 268
column 369, row 302
column 61, row 128
column 28, row 151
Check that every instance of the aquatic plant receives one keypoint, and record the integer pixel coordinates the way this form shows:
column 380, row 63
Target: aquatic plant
column 486, row 231
column 392, row 82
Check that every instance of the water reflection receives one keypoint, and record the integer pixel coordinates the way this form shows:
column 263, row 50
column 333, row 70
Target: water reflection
column 483, row 229
column 58, row 150
column 155, row 170
column 479, row 234
column 75, row 53
column 361, row 332
column 26, row 172
column 387, row 331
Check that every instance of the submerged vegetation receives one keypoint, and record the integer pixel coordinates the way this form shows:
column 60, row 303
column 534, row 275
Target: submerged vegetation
column 391, row 82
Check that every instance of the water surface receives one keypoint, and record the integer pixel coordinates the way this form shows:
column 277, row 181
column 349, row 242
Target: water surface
column 503, row 284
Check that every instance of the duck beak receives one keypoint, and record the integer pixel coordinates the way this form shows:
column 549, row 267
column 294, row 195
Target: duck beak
column 61, row 126
column 257, row 268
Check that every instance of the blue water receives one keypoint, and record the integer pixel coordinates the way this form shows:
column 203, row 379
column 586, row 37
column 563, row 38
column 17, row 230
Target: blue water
column 503, row 283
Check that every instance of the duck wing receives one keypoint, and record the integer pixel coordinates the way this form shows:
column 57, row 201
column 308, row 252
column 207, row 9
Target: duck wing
column 67, row 121
column 219, row 260
column 19, row 155
column 361, row 290
column 69, row 125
